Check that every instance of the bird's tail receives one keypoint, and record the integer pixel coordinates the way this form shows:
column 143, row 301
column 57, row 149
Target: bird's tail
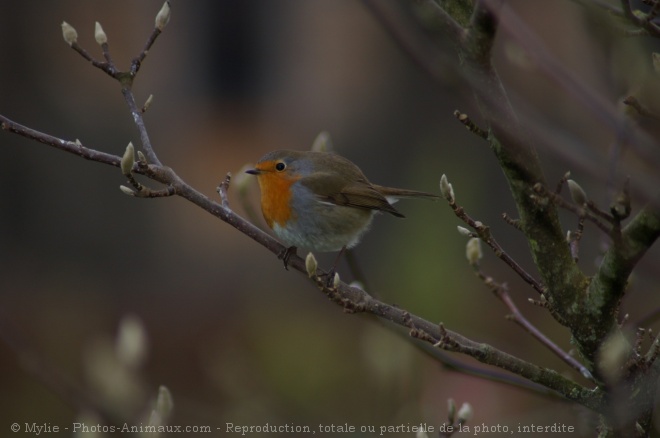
column 390, row 192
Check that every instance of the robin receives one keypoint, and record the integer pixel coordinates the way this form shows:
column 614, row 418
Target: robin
column 321, row 201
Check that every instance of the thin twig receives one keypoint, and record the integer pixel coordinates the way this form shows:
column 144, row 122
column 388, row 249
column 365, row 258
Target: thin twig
column 126, row 81
column 146, row 192
column 470, row 125
column 592, row 215
column 561, row 182
column 515, row 223
column 485, row 235
column 137, row 61
column 105, row 48
column 104, row 66
column 139, row 122
column 222, row 190
column 501, row 291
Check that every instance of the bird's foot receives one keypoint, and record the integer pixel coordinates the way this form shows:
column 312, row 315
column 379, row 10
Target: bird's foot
column 286, row 254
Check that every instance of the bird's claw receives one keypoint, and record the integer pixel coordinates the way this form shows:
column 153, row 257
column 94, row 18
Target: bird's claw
column 286, row 254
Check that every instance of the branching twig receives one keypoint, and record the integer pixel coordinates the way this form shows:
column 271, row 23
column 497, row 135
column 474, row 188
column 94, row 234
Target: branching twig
column 515, row 223
column 470, row 125
column 501, row 291
column 484, row 233
column 593, row 215
column 126, row 79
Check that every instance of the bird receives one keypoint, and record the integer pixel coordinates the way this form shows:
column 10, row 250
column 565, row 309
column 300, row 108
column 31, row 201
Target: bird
column 321, row 201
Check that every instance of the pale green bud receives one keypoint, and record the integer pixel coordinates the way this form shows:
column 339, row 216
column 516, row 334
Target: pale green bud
column 164, row 402
column 311, row 265
column 99, row 35
column 612, row 356
column 128, row 159
column 127, row 191
column 163, row 16
column 451, row 410
column 322, row 143
column 356, row 284
column 473, row 251
column 336, row 281
column 147, row 103
column 464, row 231
column 446, row 189
column 577, row 193
column 465, row 413
column 131, row 344
column 69, row 33
column 155, row 420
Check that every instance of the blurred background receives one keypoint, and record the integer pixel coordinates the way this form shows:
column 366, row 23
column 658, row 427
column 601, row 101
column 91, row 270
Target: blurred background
column 235, row 337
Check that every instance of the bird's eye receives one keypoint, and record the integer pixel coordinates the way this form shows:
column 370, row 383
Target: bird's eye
column 280, row 166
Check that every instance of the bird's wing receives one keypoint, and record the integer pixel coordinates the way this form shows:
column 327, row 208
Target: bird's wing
column 358, row 194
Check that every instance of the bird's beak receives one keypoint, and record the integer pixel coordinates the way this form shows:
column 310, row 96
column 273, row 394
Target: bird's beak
column 253, row 171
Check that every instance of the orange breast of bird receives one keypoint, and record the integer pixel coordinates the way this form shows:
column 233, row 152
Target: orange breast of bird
column 276, row 197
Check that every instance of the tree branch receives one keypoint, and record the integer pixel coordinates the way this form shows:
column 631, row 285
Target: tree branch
column 351, row 298
column 608, row 286
column 356, row 300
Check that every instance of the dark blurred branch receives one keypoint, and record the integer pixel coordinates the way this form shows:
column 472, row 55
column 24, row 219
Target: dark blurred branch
column 641, row 109
column 481, row 32
column 420, row 51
